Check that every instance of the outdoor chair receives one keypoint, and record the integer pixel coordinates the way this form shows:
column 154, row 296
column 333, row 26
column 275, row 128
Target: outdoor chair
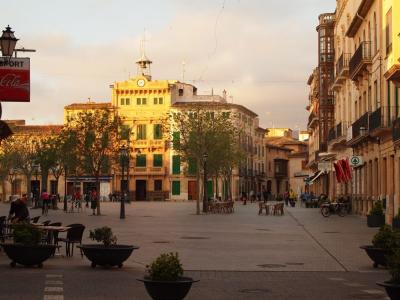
column 52, row 236
column 278, row 209
column 35, row 219
column 74, row 236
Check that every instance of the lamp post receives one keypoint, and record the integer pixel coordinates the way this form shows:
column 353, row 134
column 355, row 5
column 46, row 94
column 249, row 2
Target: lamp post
column 123, row 154
column 205, row 201
column 36, row 191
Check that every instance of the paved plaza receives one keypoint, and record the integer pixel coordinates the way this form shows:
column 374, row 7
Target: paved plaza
column 236, row 256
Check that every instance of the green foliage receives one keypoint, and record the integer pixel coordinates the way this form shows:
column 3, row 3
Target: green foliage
column 104, row 235
column 394, row 267
column 377, row 209
column 166, row 267
column 387, row 238
column 27, row 234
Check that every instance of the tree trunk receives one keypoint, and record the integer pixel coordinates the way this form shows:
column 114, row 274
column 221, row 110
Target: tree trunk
column 65, row 190
column 3, row 189
column 198, row 194
column 28, row 188
column 98, row 195
column 45, row 176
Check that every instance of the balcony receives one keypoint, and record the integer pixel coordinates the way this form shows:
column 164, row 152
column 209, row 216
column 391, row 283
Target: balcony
column 331, row 134
column 141, row 143
column 342, row 70
column 396, row 131
column 361, row 59
column 359, row 129
column 338, row 137
column 281, row 168
column 380, row 121
column 149, row 170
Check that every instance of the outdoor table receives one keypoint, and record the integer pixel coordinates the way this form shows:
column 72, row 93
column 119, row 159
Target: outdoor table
column 51, row 230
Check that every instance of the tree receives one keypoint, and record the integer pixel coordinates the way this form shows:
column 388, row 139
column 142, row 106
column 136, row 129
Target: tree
column 97, row 136
column 199, row 130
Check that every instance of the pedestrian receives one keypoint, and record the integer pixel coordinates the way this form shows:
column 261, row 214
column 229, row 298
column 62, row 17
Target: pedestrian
column 45, row 202
column 292, row 198
column 264, row 194
column 286, row 198
column 18, row 210
column 252, row 196
column 86, row 197
column 244, row 198
column 93, row 201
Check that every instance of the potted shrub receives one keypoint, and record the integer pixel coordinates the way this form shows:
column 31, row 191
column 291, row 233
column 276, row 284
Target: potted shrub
column 165, row 279
column 384, row 243
column 376, row 218
column 396, row 221
column 392, row 286
column 109, row 253
column 27, row 248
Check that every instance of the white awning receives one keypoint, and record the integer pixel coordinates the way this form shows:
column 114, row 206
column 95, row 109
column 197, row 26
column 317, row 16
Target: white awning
column 316, row 176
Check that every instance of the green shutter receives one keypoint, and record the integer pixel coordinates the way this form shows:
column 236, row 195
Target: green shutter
column 176, row 164
column 157, row 160
column 157, row 131
column 176, row 137
column 210, row 189
column 176, row 187
column 141, row 160
column 397, row 101
column 388, row 96
column 192, row 166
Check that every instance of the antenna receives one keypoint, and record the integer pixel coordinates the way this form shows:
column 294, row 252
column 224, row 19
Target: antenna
column 183, row 70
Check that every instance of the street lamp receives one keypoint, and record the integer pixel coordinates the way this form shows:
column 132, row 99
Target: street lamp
column 124, row 160
column 36, row 191
column 8, row 42
column 205, row 201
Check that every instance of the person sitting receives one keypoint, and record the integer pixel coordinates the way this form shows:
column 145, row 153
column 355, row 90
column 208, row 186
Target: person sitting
column 18, row 210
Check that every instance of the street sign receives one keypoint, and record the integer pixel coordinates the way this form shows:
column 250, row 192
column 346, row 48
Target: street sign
column 356, row 161
column 14, row 79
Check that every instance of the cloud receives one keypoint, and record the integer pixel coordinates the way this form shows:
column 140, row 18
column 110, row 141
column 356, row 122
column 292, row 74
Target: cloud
column 261, row 52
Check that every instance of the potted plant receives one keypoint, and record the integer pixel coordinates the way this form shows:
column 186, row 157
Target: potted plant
column 392, row 286
column 27, row 248
column 376, row 218
column 396, row 221
column 165, row 279
column 109, row 253
column 384, row 243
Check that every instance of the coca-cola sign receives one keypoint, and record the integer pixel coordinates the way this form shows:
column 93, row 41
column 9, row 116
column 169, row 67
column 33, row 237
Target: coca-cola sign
column 14, row 80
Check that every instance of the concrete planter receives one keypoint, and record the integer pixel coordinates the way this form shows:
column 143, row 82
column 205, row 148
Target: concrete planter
column 113, row 255
column 377, row 255
column 168, row 290
column 33, row 255
column 392, row 289
column 375, row 220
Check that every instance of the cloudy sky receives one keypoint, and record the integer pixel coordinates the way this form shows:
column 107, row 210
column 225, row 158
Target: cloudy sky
column 260, row 51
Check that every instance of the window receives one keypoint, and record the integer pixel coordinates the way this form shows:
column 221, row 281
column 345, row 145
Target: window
column 127, row 101
column 180, row 92
column 141, row 160
column 226, row 114
column 176, row 138
column 388, row 30
column 141, row 101
column 125, row 131
column 192, row 169
column 158, row 185
column 269, row 166
column 176, row 164
column 157, row 132
column 141, row 132
column 376, row 94
column 176, row 187
column 155, row 100
column 157, row 160
column 160, row 100
column 375, row 34
column 122, row 101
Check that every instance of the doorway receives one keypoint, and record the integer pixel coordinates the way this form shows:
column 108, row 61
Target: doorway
column 141, row 190
column 192, row 190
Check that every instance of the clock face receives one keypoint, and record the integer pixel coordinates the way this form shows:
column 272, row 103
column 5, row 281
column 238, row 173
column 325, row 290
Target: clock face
column 140, row 82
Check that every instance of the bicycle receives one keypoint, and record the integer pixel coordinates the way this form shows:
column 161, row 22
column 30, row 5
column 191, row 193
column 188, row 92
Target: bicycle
column 335, row 207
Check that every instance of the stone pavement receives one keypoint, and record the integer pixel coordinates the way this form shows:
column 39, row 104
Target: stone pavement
column 237, row 256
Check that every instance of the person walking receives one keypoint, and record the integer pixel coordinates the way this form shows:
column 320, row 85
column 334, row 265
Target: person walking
column 264, row 194
column 45, row 202
column 286, row 198
column 86, row 197
column 18, row 210
column 93, row 201
column 292, row 198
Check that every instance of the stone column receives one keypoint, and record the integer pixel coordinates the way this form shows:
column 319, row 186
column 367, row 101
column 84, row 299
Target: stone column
column 396, row 183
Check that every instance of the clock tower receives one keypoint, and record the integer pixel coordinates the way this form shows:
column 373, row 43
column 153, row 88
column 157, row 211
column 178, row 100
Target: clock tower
column 143, row 63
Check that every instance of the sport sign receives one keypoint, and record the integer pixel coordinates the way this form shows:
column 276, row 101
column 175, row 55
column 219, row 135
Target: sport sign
column 14, row 79
column 356, row 161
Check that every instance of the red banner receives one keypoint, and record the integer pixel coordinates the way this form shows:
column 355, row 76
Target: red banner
column 14, row 80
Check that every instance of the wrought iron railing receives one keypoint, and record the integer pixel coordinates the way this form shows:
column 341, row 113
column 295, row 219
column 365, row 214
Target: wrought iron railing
column 342, row 63
column 361, row 124
column 362, row 55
